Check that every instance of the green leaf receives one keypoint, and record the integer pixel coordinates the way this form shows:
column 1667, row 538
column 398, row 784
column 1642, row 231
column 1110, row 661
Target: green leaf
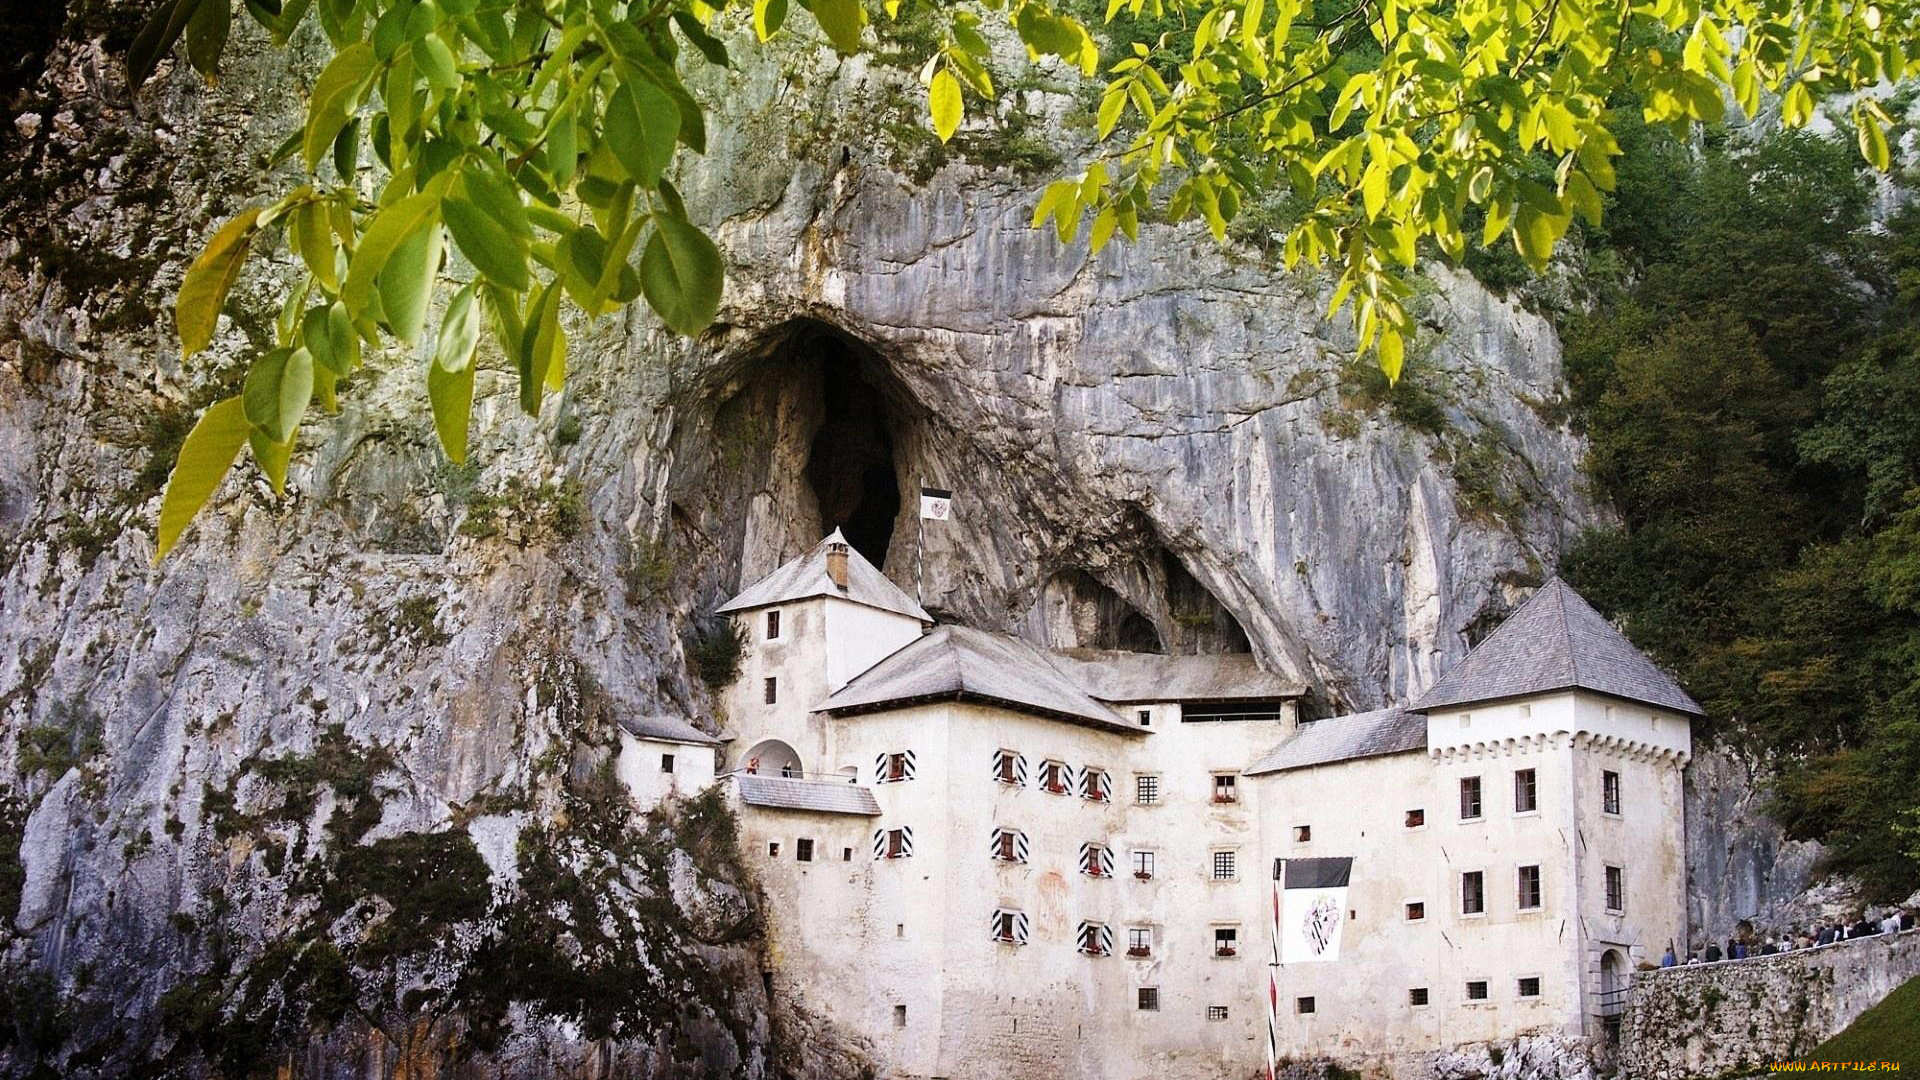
column 328, row 335
column 681, row 271
column 204, row 289
column 459, row 330
column 1393, row 353
column 272, row 457
column 768, row 16
column 841, row 20
column 278, row 388
column 207, row 35
column 387, row 231
column 312, row 236
column 1535, row 233
column 156, row 39
column 641, row 126
column 709, row 46
column 1111, row 106
column 435, row 61
column 537, row 345
column 205, row 456
column 451, row 393
column 1873, row 141
column 406, row 282
column 943, row 100
column 335, row 95
column 489, row 223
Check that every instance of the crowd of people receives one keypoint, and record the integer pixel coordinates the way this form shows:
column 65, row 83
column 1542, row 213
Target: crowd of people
column 1747, row 943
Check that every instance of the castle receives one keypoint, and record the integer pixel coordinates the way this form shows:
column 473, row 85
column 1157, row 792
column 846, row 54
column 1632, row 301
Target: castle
column 991, row 859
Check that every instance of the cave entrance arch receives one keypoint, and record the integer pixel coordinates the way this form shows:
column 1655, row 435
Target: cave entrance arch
column 772, row 757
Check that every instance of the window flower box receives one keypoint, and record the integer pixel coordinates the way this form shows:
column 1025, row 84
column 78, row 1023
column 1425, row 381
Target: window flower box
column 1139, row 951
column 1142, row 875
column 1226, row 798
column 1226, row 950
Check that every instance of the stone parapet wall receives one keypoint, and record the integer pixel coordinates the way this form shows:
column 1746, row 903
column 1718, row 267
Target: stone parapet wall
column 1710, row 1019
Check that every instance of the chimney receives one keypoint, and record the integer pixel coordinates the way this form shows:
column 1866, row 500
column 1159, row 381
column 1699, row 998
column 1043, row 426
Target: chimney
column 837, row 564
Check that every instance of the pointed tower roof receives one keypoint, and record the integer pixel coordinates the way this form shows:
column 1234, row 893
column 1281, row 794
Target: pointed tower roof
column 806, row 578
column 1556, row 641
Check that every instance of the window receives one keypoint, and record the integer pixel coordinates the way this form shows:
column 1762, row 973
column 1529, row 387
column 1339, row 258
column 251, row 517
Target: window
column 1009, row 926
column 1417, row 996
column 1096, row 860
column 894, row 768
column 900, row 930
column 803, row 850
column 1416, row 819
column 1095, row 939
column 1527, row 887
column 1530, row 986
column 1143, row 865
column 1616, row 889
column 846, row 854
column 1303, row 1005
column 1216, row 1012
column 1609, row 792
column 1226, row 941
column 893, row 843
column 772, row 690
column 666, row 762
column 899, row 1016
column 1146, row 790
column 1226, row 788
column 773, row 849
column 1009, row 845
column 1526, row 792
column 1009, row 768
column 1469, row 798
column 1477, row 990
column 1473, row 893
column 1416, row 910
column 1302, row 833
column 1054, row 778
column 1149, row 999
column 1146, row 717
column 1139, row 941
column 773, row 624
column 1095, row 786
column 1223, row 868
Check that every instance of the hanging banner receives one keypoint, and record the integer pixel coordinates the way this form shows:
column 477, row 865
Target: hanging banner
column 1313, row 908
column 936, row 504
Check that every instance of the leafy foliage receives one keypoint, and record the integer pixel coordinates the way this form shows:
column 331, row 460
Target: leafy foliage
column 541, row 135
column 1752, row 402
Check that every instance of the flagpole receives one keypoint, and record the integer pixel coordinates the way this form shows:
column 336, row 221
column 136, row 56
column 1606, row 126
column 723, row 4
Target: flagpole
column 920, row 552
column 1273, row 975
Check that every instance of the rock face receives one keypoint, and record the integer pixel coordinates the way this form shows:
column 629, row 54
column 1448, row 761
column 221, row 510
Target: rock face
column 1740, row 865
column 338, row 765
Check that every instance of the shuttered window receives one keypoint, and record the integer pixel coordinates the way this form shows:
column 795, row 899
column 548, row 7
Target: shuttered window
column 1009, row 845
column 1095, row 939
column 1096, row 786
column 895, row 767
column 1009, row 926
column 1056, row 777
column 1096, row 860
column 893, row 843
column 1009, row 768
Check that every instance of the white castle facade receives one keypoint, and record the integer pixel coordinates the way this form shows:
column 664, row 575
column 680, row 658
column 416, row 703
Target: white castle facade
column 994, row 860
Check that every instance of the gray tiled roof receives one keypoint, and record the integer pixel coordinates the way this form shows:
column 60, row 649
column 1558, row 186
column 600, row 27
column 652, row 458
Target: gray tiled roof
column 1344, row 738
column 806, row 577
column 1556, row 641
column 819, row 796
column 670, row 728
column 1110, row 675
column 958, row 662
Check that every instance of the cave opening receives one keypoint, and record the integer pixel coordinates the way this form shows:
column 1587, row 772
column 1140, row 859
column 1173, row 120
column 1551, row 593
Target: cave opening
column 850, row 463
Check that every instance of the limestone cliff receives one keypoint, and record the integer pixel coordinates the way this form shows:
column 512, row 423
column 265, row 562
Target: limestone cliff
column 327, row 790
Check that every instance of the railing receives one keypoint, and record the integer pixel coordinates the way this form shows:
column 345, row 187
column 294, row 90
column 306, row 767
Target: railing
column 1610, row 1003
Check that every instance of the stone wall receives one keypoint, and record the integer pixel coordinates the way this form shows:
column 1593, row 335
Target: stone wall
column 1710, row 1019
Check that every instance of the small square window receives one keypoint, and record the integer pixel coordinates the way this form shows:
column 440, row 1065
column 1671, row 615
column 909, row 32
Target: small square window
column 1053, row 777
column 1226, row 788
column 1226, row 941
column 773, row 849
column 1146, row 717
column 1216, row 1012
column 1416, row 910
column 1527, row 888
column 771, row 690
column 1473, row 893
column 899, row 1016
column 846, row 854
column 1223, row 866
column 1139, row 941
column 666, row 762
column 803, row 850
column 1530, row 986
column 1303, row 1005
column 1146, row 790
column 1417, row 996
column 1143, row 865
column 773, row 624
column 1469, row 798
column 1477, row 990
column 1149, row 999
column 1302, row 833
column 1416, row 819
column 1526, row 791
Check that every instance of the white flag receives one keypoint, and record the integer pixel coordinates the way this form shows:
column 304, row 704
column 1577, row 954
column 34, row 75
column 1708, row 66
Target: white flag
column 1313, row 908
column 936, row 504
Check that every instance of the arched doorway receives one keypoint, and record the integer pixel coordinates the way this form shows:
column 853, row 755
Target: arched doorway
column 771, row 757
column 1612, row 999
